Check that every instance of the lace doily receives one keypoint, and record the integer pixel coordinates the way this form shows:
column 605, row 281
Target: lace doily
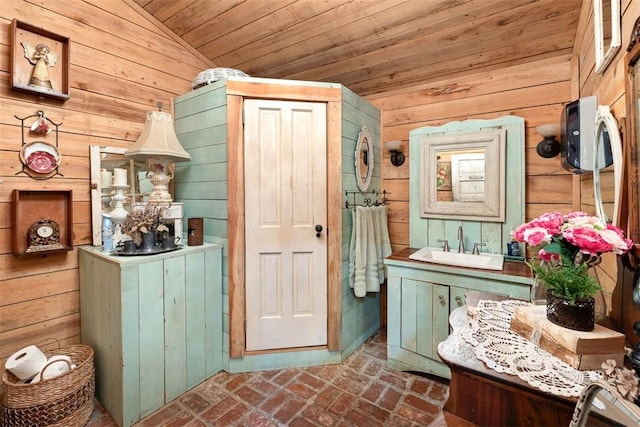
column 507, row 352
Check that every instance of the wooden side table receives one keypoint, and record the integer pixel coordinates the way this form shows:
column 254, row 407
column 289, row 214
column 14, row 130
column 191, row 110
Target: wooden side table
column 486, row 397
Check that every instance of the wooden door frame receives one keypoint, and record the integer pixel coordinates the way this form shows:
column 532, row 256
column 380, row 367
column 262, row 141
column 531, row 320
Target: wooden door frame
column 237, row 91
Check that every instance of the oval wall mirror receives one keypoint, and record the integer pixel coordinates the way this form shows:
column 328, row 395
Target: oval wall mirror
column 607, row 166
column 364, row 159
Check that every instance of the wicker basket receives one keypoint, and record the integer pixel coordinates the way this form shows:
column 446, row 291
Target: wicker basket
column 65, row 400
column 212, row 75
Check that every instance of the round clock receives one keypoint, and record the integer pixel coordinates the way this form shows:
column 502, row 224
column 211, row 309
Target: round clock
column 44, row 230
column 44, row 235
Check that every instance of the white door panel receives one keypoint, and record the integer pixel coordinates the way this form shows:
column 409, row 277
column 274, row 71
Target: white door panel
column 285, row 198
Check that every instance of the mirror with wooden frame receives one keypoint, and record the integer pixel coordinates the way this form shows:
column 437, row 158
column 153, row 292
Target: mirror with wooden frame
column 462, row 176
column 364, row 159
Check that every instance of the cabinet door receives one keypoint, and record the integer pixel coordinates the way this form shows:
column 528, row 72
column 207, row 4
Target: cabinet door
column 458, row 297
column 424, row 319
column 440, row 327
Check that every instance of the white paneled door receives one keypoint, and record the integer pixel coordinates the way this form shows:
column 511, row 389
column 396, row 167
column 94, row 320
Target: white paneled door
column 285, row 224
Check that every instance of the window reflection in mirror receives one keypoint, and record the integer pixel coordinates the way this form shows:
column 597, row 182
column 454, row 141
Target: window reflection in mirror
column 463, row 176
column 460, row 175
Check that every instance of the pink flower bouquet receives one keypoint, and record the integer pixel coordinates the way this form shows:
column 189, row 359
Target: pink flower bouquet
column 568, row 245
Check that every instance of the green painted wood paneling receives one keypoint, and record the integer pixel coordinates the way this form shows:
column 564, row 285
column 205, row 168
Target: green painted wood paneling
column 201, row 184
column 426, row 232
column 152, row 321
column 175, row 326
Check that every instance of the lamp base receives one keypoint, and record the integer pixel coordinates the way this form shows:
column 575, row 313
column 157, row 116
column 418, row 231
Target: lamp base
column 160, row 178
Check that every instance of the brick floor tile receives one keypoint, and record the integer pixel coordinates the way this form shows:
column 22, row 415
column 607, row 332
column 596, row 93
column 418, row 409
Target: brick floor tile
column 311, row 381
column 372, row 368
column 327, row 396
column 180, row 420
column 389, row 399
column 269, row 374
column 303, row 391
column 300, row 422
column 219, row 410
column 411, row 413
column 237, row 381
column 285, row 376
column 289, row 410
column 250, row 395
column 372, row 410
column 195, row 423
column 398, row 421
column 233, row 416
column 421, row 404
column 263, row 385
column 393, row 379
column 438, row 391
column 258, row 419
column 360, row 419
column 373, row 392
column 356, row 361
column 343, row 404
column 319, row 415
column 194, row 402
column 360, row 392
column 163, row 415
column 276, row 400
column 420, row 385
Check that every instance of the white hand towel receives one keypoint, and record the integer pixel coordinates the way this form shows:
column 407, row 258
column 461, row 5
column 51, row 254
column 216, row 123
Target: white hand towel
column 383, row 243
column 372, row 277
column 352, row 250
column 360, row 268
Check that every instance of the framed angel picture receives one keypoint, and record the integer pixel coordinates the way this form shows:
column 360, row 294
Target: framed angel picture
column 39, row 61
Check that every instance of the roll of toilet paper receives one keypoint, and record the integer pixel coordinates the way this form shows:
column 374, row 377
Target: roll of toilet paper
column 56, row 365
column 26, row 362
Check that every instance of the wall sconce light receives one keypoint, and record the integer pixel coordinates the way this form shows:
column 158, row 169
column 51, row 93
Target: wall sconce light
column 549, row 147
column 397, row 156
column 158, row 146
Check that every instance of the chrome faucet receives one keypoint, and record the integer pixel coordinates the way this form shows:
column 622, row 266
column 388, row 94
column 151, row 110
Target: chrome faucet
column 461, row 239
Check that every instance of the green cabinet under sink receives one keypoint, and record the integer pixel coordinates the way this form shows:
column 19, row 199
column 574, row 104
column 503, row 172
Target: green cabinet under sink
column 420, row 297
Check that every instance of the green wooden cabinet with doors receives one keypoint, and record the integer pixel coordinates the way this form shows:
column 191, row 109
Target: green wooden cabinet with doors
column 154, row 322
column 420, row 297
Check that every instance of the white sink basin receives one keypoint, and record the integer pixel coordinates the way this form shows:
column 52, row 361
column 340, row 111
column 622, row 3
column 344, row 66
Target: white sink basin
column 438, row 256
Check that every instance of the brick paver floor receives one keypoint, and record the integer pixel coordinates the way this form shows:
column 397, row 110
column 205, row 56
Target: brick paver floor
column 362, row 391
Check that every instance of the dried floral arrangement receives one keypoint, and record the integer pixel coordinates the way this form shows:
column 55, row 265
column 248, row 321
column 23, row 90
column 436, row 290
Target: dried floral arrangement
column 624, row 380
column 146, row 220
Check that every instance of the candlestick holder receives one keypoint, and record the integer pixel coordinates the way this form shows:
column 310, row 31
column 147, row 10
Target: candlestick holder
column 119, row 214
column 106, row 199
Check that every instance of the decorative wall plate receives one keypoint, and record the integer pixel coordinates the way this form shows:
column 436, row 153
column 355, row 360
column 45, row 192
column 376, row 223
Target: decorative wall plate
column 40, row 158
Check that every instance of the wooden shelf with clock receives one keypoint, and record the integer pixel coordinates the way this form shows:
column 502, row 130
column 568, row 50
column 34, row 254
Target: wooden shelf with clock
column 42, row 221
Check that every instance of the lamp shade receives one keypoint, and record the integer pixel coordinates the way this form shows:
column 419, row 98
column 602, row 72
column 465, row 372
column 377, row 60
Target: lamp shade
column 158, row 139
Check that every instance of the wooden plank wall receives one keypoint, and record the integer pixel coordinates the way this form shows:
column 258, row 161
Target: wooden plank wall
column 535, row 90
column 122, row 62
column 609, row 87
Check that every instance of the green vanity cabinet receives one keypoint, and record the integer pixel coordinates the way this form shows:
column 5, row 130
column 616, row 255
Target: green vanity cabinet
column 154, row 323
column 420, row 297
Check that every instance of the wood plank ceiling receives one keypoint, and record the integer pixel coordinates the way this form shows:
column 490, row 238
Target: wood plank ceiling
column 371, row 46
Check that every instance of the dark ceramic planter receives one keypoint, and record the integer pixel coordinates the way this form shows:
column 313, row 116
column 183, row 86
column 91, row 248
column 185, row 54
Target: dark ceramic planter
column 579, row 316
